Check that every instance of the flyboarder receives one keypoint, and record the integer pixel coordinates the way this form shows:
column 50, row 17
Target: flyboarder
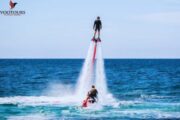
column 91, row 97
column 97, row 27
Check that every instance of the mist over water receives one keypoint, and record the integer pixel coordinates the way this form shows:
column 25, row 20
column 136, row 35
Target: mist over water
column 85, row 80
column 104, row 96
column 93, row 74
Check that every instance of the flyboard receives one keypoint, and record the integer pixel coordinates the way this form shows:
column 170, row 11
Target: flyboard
column 86, row 101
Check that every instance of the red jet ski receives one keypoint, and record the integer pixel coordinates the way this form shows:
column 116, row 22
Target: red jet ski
column 87, row 101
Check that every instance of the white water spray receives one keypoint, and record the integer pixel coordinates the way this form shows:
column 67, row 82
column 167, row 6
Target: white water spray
column 104, row 96
column 100, row 75
column 93, row 73
column 84, row 81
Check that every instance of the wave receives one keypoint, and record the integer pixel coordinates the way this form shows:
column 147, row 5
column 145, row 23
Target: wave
column 121, row 109
column 36, row 100
column 144, row 96
column 31, row 117
column 105, row 114
column 69, row 100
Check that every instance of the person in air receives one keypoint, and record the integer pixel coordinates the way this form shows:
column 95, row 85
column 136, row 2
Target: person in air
column 97, row 27
column 92, row 94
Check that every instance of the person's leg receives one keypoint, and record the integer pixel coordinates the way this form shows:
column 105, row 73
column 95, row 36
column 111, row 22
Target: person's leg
column 93, row 99
column 99, row 34
column 90, row 99
column 95, row 33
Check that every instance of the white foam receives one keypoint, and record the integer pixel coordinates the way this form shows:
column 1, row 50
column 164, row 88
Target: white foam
column 38, row 100
column 31, row 117
column 145, row 114
column 144, row 96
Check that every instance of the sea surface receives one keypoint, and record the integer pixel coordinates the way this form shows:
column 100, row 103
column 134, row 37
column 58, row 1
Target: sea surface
column 32, row 89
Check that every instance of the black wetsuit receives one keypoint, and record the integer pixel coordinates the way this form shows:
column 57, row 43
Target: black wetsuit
column 93, row 95
column 97, row 25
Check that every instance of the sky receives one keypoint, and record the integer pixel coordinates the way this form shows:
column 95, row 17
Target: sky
column 63, row 28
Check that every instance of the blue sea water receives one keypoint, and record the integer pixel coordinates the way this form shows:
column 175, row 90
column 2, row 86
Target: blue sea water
column 143, row 88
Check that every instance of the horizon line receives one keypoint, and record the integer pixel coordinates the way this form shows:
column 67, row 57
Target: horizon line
column 85, row 58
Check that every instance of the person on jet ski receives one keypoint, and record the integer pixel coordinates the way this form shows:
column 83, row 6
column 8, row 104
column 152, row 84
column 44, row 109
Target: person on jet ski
column 92, row 94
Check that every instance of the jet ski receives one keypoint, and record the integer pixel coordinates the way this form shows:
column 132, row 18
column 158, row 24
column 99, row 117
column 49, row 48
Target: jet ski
column 88, row 101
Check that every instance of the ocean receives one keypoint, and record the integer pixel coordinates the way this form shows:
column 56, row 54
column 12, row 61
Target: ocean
column 36, row 89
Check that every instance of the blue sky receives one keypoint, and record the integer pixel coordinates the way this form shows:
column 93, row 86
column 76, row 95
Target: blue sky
column 63, row 29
